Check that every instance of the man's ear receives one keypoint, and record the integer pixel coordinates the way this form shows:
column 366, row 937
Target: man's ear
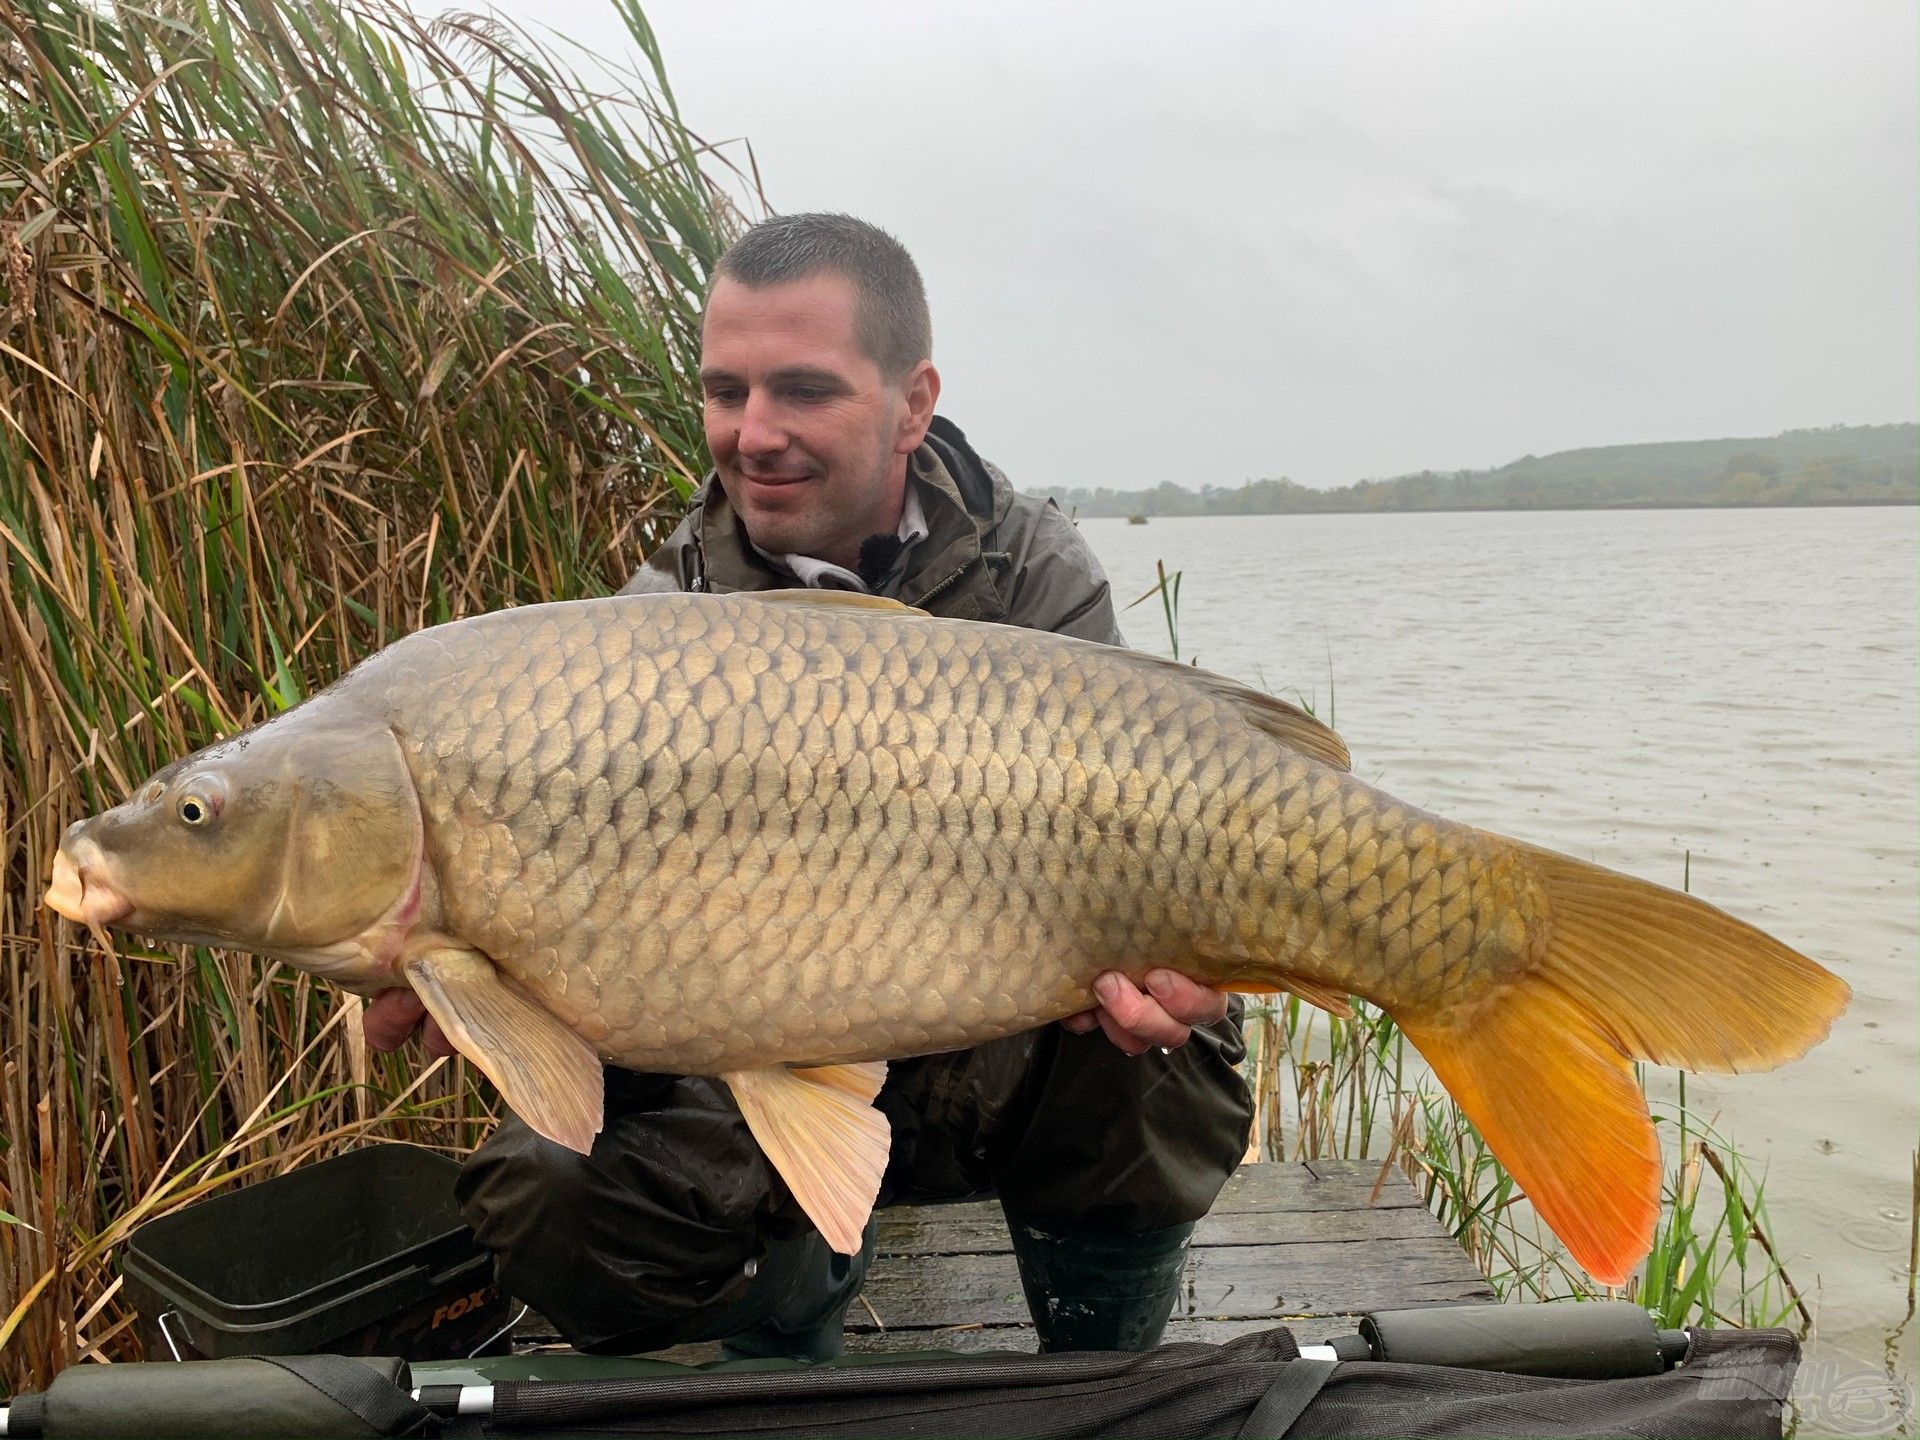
column 921, row 388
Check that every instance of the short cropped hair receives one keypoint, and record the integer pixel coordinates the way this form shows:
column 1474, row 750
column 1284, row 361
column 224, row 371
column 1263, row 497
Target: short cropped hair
column 891, row 320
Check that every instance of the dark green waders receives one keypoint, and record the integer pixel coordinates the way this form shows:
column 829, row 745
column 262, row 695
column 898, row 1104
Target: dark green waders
column 675, row 1228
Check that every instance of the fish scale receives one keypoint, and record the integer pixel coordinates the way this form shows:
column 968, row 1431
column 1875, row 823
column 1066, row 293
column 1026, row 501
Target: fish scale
column 780, row 838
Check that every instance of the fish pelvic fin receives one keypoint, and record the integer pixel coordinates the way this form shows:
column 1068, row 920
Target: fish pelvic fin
column 819, row 1129
column 548, row 1075
column 1622, row 970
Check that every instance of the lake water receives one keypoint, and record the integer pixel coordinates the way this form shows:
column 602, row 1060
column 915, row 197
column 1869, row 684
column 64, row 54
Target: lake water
column 1629, row 687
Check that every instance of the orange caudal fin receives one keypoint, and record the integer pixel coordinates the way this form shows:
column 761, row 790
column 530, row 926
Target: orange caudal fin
column 1558, row 1104
column 1622, row 971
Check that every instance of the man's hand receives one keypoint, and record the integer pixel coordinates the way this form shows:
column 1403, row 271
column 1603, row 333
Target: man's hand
column 1162, row 1015
column 391, row 1018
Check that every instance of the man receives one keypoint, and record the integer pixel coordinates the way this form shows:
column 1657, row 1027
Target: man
column 1105, row 1136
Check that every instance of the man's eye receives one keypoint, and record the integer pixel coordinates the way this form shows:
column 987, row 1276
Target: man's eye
column 808, row 394
column 723, row 397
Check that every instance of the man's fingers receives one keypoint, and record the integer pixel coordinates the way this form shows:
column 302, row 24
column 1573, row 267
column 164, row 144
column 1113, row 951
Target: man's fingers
column 1125, row 1040
column 435, row 1039
column 1187, row 1001
column 1081, row 1024
column 1138, row 1015
column 390, row 1017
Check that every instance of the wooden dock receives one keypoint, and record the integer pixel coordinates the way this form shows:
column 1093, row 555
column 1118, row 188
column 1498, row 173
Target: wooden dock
column 1302, row 1244
column 1291, row 1243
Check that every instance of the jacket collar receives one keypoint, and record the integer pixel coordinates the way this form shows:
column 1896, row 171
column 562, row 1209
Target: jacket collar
column 947, row 563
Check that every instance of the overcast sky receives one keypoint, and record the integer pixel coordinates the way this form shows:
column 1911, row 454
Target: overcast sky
column 1208, row 242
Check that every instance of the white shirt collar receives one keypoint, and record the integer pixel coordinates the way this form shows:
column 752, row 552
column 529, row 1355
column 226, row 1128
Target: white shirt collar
column 817, row 574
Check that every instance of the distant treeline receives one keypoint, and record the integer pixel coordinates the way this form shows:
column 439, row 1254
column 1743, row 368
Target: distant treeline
column 1842, row 465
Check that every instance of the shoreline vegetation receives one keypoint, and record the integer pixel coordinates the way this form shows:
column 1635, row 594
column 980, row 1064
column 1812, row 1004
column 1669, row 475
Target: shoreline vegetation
column 1839, row 465
column 324, row 323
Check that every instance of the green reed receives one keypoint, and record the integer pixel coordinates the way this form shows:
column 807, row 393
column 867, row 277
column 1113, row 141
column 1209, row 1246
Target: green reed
column 319, row 322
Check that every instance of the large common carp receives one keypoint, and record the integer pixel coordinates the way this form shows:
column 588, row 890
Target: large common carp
column 784, row 839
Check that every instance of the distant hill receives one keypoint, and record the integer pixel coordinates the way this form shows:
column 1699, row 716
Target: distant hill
column 1841, row 465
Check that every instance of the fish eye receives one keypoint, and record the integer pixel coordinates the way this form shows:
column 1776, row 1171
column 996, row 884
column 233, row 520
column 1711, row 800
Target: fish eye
column 196, row 809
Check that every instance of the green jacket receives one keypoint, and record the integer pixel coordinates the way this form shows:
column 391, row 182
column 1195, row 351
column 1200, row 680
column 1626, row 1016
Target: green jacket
column 990, row 554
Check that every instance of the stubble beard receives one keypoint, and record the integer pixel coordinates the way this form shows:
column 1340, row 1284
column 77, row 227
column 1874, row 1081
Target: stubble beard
column 817, row 524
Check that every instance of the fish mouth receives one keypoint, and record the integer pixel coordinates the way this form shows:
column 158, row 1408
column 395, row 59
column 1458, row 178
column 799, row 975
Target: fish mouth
column 79, row 894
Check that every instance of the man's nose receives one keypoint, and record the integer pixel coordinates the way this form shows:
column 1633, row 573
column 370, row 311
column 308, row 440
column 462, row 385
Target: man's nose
column 761, row 432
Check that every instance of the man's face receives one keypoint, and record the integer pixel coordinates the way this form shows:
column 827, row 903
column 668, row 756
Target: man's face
column 810, row 439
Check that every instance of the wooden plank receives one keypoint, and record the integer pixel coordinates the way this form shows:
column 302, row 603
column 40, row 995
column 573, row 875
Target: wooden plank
column 1274, row 1187
column 1325, row 1188
column 930, row 1232
column 1283, row 1241
column 1229, row 1283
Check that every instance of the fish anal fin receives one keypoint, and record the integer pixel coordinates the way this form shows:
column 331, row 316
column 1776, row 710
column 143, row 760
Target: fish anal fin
column 548, row 1075
column 1323, row 997
column 1332, row 1001
column 1335, row 1005
column 819, row 1129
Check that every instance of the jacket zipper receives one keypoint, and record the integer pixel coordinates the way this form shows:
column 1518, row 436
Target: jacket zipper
column 943, row 586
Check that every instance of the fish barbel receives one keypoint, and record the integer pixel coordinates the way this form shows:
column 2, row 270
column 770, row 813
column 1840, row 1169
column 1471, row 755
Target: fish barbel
column 784, row 839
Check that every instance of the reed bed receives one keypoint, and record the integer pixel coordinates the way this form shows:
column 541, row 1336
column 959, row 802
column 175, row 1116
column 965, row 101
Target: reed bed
column 318, row 322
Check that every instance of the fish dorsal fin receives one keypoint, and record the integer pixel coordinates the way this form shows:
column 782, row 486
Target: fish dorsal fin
column 819, row 1129
column 1289, row 724
column 833, row 600
column 548, row 1075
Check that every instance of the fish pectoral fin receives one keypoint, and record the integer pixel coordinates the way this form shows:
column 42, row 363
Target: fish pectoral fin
column 819, row 1129
column 548, row 1075
column 836, row 600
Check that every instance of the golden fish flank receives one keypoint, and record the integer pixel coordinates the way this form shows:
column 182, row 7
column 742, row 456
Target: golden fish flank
column 782, row 839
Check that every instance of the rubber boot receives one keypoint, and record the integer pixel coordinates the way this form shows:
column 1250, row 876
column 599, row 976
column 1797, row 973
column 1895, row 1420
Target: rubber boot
column 806, row 1289
column 1094, row 1289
